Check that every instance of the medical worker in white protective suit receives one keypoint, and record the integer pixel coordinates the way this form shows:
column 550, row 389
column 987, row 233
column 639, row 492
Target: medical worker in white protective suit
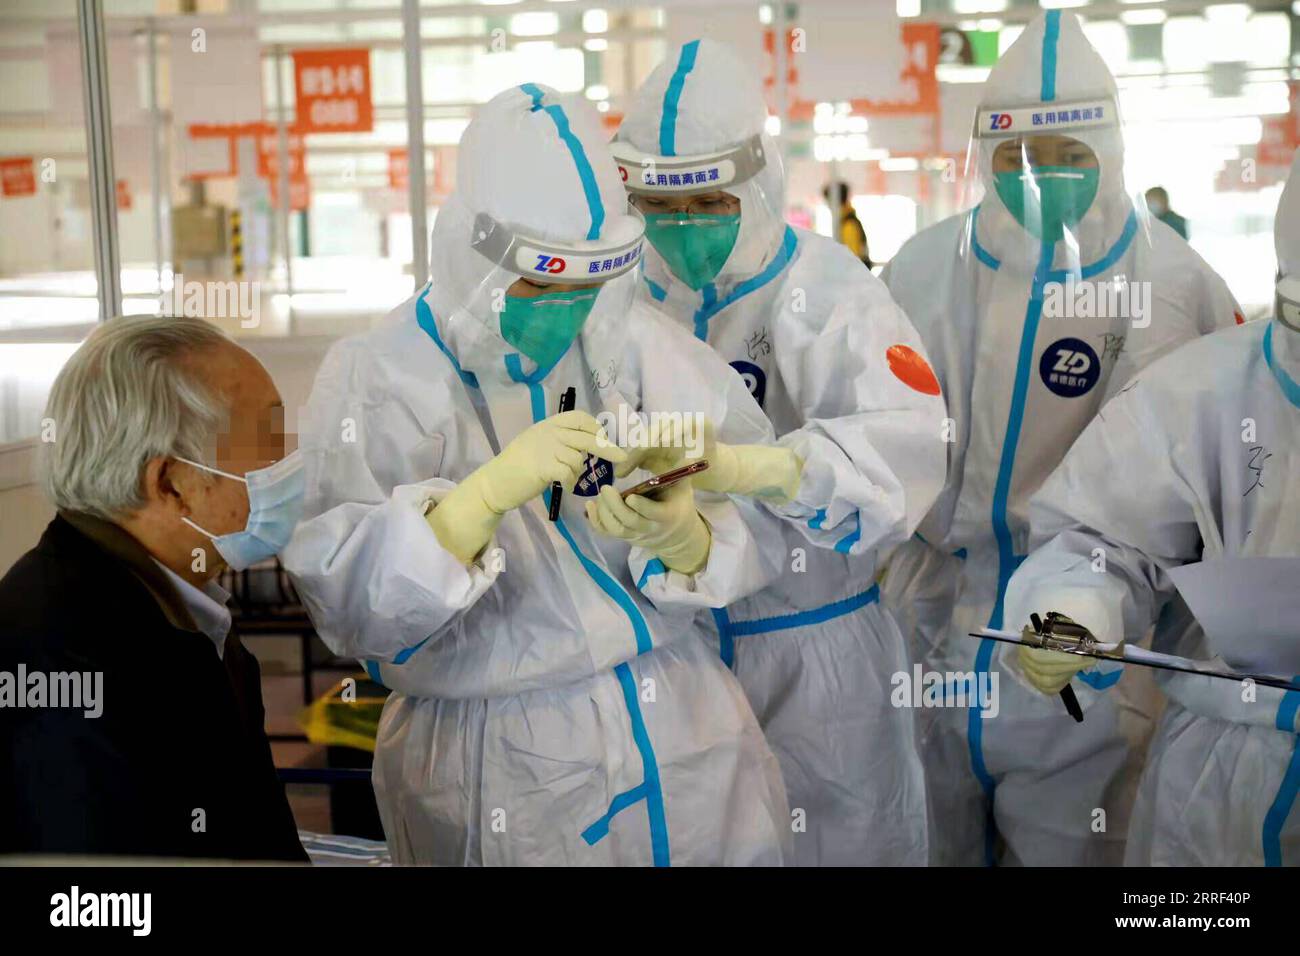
column 550, row 707
column 1035, row 306
column 843, row 378
column 1197, row 459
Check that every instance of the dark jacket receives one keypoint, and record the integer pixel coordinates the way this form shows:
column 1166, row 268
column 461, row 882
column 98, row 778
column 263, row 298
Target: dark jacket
column 181, row 729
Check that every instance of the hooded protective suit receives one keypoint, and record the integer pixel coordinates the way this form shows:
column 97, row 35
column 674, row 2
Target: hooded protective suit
column 1204, row 448
column 843, row 378
column 1029, row 336
column 549, row 707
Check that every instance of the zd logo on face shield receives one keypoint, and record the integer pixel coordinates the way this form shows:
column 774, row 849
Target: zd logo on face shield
column 549, row 264
column 1070, row 368
column 755, row 379
column 1000, row 121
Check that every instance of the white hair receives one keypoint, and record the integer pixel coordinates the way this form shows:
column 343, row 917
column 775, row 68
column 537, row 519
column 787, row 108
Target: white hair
column 129, row 394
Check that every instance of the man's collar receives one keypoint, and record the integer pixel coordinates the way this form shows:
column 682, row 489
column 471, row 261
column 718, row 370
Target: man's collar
column 123, row 546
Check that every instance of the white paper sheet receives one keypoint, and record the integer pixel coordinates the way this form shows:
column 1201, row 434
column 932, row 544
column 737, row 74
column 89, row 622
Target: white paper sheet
column 1249, row 609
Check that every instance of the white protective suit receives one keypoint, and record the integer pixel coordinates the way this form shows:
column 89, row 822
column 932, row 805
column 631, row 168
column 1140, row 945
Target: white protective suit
column 842, row 376
column 1197, row 459
column 549, row 707
column 1021, row 384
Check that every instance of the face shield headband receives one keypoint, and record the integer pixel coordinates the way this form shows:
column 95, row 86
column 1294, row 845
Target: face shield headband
column 1287, row 303
column 544, row 260
column 1045, row 118
column 649, row 174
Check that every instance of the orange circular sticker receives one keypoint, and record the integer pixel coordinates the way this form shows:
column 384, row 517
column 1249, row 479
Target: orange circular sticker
column 911, row 369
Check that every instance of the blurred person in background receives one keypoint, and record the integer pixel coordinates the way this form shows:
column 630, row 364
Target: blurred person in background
column 169, row 463
column 851, row 232
column 1158, row 202
column 1036, row 306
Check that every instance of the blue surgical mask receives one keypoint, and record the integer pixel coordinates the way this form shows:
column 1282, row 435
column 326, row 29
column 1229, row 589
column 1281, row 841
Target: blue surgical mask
column 275, row 499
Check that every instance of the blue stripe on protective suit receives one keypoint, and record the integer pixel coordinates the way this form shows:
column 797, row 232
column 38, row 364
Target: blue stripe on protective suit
column 424, row 316
column 846, row 543
column 606, row 583
column 650, row 789
column 673, row 98
column 726, row 641
column 1008, row 560
column 817, row 615
column 712, row 305
column 1098, row 680
column 1105, row 262
column 652, row 567
column 585, row 173
column 982, row 254
column 1283, row 803
column 729, row 630
column 1051, row 36
column 1290, row 387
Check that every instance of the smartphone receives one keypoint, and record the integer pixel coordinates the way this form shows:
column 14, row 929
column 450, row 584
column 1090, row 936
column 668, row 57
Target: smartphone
column 654, row 487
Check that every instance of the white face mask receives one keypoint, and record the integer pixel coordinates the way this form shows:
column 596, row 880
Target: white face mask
column 275, row 498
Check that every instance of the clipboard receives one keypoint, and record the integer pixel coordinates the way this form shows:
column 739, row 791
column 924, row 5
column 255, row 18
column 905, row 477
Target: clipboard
column 1078, row 640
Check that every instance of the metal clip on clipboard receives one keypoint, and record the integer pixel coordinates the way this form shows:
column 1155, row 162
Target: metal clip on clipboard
column 1059, row 633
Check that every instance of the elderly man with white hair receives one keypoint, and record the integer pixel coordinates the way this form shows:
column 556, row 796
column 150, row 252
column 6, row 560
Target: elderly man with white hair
column 131, row 719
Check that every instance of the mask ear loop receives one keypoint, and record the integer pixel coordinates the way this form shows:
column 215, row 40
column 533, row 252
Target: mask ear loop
column 216, row 471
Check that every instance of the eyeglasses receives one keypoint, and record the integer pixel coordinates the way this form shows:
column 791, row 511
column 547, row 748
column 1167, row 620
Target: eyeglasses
column 714, row 204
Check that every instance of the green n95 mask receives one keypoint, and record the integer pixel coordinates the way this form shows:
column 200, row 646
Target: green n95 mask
column 1047, row 199
column 543, row 327
column 695, row 247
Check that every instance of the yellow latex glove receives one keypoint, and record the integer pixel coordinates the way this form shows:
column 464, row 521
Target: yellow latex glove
column 1049, row 671
column 554, row 449
column 758, row 471
column 669, row 528
column 764, row 471
column 658, row 452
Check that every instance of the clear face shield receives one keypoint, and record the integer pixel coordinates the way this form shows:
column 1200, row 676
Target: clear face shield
column 544, row 291
column 1052, row 174
column 695, row 207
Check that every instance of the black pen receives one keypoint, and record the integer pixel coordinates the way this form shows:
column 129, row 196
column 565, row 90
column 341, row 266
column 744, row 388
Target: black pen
column 567, row 401
column 1067, row 692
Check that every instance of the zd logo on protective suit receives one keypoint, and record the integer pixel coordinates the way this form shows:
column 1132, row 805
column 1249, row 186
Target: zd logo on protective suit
column 596, row 474
column 755, row 379
column 1070, row 368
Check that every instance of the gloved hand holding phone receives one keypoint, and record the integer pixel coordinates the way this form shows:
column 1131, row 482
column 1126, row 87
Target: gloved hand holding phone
column 765, row 471
column 554, row 449
column 668, row 526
